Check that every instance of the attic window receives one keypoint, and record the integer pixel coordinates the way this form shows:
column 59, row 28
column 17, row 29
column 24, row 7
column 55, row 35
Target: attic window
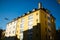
column 36, row 13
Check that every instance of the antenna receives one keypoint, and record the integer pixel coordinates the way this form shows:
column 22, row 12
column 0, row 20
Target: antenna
column 39, row 5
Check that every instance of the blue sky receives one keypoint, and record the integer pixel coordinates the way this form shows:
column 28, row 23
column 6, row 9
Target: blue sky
column 13, row 8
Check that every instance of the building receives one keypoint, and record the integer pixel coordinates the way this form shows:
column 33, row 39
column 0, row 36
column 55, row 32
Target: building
column 37, row 24
column 2, row 34
column 58, row 34
column 11, row 29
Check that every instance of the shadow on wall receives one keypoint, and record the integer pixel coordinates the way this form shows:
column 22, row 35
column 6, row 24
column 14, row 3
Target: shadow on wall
column 58, row 34
column 31, row 34
column 11, row 38
column 2, row 34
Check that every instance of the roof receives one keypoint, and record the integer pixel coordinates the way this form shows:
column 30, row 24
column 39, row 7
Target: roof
column 46, row 10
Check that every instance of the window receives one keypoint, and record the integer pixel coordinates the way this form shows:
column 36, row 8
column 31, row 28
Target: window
column 36, row 20
column 21, row 36
column 36, row 13
column 21, row 30
column 30, row 24
column 30, row 21
column 13, row 26
column 52, row 20
column 30, row 17
column 9, row 32
column 48, row 18
column 22, row 20
column 49, row 24
column 13, row 32
column 49, row 30
column 21, row 25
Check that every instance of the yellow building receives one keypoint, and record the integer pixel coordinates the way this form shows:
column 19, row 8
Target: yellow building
column 37, row 24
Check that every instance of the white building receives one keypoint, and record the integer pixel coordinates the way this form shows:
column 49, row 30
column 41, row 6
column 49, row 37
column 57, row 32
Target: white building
column 11, row 28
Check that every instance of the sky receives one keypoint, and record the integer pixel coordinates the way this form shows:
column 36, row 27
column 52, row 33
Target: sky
column 13, row 8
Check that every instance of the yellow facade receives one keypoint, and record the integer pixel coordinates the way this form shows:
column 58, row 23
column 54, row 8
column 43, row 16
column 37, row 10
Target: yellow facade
column 35, row 18
column 39, row 16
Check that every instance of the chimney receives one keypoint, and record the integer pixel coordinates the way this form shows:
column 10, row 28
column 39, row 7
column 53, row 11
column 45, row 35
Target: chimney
column 39, row 5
